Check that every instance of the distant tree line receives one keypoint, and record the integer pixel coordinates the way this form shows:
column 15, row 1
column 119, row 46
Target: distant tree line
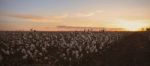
column 146, row 29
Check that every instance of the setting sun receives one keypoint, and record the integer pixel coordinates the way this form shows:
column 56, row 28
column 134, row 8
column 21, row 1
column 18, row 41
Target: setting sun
column 132, row 25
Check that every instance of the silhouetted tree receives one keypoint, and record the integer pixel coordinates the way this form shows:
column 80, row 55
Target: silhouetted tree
column 147, row 29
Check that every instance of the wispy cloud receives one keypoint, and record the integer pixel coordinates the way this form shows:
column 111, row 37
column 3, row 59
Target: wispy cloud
column 86, row 14
column 36, row 18
column 51, row 18
column 42, row 18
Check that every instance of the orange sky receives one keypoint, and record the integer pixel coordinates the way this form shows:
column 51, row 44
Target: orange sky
column 48, row 15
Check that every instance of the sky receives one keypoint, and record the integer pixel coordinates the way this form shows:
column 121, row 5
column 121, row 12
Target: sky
column 61, row 15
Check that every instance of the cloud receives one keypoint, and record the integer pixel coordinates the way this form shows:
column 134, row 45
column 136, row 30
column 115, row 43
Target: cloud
column 52, row 18
column 31, row 17
column 41, row 18
column 84, row 14
column 36, row 18
column 87, row 14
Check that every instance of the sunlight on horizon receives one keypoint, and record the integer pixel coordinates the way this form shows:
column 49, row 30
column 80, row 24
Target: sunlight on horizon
column 132, row 25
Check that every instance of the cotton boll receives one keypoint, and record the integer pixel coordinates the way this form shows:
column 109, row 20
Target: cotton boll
column 5, row 51
column 44, row 49
column 63, row 54
column 76, row 54
column 25, row 56
column 70, row 59
column 40, row 54
column 23, row 50
column 45, row 58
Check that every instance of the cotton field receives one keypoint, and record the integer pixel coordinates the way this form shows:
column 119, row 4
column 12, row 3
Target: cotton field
column 54, row 48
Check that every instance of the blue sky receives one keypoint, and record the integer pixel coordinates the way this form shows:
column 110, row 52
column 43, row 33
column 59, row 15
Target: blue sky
column 48, row 14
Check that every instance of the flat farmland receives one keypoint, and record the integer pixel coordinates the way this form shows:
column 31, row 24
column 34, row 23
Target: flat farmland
column 35, row 48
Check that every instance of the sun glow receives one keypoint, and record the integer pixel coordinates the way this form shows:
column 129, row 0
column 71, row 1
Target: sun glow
column 132, row 25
